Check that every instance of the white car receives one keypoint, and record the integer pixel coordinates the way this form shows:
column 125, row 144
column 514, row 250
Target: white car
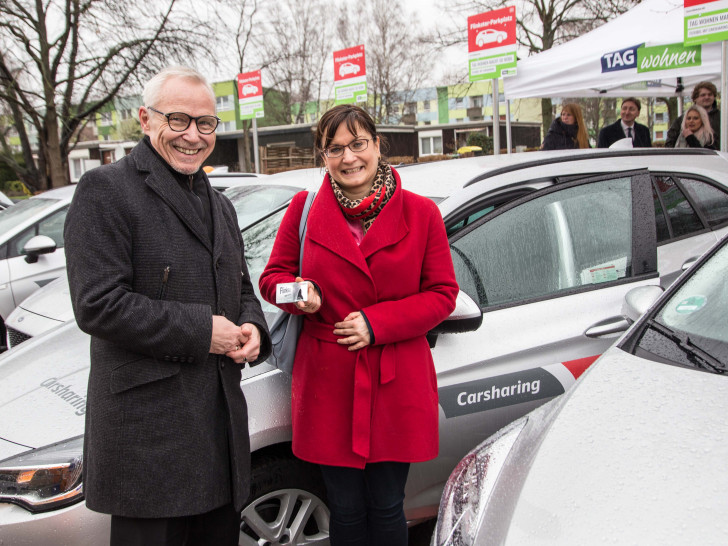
column 5, row 201
column 545, row 247
column 31, row 246
column 348, row 68
column 634, row 454
column 250, row 89
column 489, row 36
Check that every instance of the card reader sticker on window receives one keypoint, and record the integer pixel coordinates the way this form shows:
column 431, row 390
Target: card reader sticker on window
column 603, row 274
column 691, row 304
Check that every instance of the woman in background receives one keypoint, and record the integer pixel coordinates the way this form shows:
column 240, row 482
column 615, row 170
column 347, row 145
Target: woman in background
column 568, row 131
column 696, row 131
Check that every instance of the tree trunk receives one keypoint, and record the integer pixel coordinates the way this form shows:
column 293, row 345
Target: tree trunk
column 547, row 115
column 56, row 159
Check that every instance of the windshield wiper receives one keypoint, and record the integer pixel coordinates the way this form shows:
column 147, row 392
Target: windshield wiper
column 700, row 357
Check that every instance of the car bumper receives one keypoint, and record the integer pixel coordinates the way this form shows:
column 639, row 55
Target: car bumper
column 74, row 525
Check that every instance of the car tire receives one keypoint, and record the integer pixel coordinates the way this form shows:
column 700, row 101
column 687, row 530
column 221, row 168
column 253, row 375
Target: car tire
column 287, row 504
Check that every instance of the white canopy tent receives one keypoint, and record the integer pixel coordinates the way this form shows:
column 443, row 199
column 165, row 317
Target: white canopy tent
column 574, row 69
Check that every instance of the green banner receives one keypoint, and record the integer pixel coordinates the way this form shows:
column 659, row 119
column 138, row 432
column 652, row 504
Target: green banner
column 493, row 66
column 667, row 57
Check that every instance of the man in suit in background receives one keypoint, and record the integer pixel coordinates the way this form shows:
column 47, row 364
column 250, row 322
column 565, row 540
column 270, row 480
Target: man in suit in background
column 626, row 127
column 158, row 279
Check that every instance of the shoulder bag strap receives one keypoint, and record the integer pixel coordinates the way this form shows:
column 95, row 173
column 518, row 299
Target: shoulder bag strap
column 302, row 227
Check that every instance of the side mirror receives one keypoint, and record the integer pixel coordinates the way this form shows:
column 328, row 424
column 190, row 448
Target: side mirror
column 467, row 317
column 40, row 244
column 638, row 300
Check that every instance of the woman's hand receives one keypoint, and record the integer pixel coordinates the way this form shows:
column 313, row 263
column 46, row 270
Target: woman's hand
column 355, row 328
column 313, row 301
column 686, row 132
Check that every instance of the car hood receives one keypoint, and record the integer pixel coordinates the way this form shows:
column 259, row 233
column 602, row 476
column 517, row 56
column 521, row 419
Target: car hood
column 636, row 450
column 43, row 395
column 52, row 301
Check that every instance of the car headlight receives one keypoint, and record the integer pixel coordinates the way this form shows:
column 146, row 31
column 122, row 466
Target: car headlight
column 470, row 485
column 44, row 479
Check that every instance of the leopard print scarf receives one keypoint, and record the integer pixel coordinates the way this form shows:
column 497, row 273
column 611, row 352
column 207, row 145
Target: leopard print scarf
column 367, row 208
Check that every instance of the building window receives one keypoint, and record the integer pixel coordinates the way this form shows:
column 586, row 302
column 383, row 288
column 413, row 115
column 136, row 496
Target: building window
column 426, row 105
column 476, row 102
column 430, row 143
column 459, row 101
column 224, row 103
column 126, row 113
column 659, row 135
column 226, row 126
column 107, row 156
column 105, row 119
column 77, row 166
column 659, row 117
column 410, row 108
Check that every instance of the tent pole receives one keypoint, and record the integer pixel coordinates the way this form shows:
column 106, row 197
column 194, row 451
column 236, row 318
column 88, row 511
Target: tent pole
column 723, row 95
column 509, row 141
column 496, row 116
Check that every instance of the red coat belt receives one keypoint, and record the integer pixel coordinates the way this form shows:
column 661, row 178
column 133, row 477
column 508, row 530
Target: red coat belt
column 362, row 403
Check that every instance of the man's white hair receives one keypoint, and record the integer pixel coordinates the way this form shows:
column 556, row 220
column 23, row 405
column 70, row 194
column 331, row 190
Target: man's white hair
column 153, row 88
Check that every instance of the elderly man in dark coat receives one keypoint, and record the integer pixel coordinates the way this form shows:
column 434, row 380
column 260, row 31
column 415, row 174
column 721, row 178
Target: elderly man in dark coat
column 159, row 281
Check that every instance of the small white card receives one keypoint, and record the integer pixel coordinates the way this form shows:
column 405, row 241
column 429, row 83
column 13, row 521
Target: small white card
column 291, row 292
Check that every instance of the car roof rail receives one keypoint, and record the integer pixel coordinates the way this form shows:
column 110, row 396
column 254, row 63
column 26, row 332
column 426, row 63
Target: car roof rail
column 598, row 155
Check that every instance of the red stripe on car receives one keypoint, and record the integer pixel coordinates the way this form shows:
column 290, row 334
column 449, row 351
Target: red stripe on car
column 579, row 366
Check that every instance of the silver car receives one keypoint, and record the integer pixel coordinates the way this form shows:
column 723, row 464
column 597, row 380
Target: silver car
column 634, row 454
column 31, row 246
column 545, row 246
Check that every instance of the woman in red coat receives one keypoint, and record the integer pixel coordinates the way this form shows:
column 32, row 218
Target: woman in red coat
column 364, row 395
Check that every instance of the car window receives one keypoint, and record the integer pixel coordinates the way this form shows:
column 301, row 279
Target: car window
column 476, row 211
column 259, row 239
column 573, row 237
column 23, row 211
column 51, row 226
column 689, row 328
column 674, row 214
column 713, row 201
column 254, row 202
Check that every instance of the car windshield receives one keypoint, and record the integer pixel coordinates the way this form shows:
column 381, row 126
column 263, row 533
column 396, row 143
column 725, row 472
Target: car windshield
column 690, row 328
column 255, row 202
column 258, row 241
column 22, row 211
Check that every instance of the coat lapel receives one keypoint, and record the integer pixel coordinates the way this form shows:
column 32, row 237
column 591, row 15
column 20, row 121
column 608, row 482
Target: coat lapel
column 390, row 227
column 161, row 181
column 327, row 227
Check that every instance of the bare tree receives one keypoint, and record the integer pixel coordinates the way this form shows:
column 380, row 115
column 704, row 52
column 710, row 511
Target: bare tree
column 395, row 58
column 238, row 18
column 297, row 48
column 63, row 61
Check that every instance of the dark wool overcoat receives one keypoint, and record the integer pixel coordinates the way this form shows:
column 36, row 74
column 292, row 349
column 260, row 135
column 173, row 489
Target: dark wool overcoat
column 614, row 132
column 378, row 403
column 166, row 421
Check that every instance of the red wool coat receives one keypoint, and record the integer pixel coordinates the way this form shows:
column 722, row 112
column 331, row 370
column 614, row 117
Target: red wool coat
column 379, row 403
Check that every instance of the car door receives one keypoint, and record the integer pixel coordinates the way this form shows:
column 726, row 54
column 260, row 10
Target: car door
column 25, row 278
column 691, row 215
column 550, row 272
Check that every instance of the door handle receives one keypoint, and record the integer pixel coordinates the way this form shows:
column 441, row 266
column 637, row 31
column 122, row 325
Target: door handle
column 607, row 327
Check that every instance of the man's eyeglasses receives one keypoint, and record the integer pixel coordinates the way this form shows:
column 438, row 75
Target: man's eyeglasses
column 357, row 146
column 179, row 121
